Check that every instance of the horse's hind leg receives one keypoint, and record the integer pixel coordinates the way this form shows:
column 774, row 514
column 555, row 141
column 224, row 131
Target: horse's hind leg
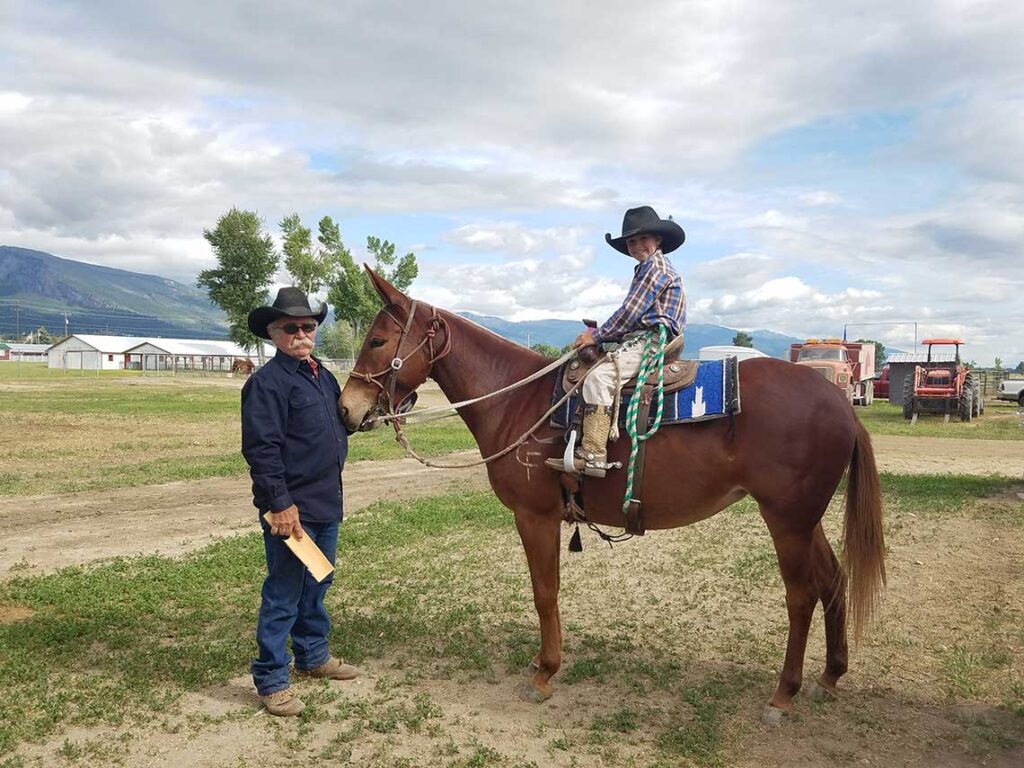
column 831, row 584
column 794, row 549
column 541, row 535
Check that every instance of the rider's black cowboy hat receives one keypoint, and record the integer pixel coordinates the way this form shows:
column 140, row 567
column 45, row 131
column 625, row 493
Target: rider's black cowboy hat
column 645, row 221
column 291, row 302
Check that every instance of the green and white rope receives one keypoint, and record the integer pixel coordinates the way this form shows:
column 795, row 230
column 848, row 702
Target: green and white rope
column 653, row 359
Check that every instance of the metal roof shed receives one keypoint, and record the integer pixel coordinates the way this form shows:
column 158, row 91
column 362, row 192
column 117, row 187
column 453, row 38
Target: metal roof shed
column 901, row 367
column 188, row 355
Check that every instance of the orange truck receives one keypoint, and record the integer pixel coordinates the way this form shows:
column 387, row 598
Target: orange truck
column 849, row 365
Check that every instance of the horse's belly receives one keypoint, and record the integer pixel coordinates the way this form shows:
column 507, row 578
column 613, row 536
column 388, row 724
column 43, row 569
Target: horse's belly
column 665, row 509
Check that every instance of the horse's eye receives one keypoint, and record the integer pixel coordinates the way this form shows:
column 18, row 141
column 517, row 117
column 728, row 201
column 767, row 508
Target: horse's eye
column 376, row 343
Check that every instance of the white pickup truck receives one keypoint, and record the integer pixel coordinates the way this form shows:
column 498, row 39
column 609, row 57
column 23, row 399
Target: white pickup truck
column 1012, row 389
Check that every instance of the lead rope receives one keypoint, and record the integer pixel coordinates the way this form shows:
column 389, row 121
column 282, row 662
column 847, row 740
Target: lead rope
column 404, row 441
column 649, row 362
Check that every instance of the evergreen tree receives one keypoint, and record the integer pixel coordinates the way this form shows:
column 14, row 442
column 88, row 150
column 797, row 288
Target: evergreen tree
column 742, row 339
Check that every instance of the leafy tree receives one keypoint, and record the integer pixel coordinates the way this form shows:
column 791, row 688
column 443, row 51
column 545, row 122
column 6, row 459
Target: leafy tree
column 351, row 292
column 246, row 263
column 310, row 266
column 43, row 336
column 546, row 349
column 1020, row 367
column 337, row 341
column 742, row 339
column 999, row 363
column 879, row 349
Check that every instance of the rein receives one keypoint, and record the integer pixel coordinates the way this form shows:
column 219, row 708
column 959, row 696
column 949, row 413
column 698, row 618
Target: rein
column 396, row 417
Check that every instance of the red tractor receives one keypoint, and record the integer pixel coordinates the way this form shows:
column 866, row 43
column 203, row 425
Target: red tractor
column 942, row 387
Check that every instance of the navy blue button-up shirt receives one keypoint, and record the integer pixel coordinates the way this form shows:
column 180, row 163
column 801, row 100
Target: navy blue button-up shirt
column 293, row 439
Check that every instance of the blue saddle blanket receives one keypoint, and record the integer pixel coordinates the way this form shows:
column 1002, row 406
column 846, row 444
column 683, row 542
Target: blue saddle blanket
column 714, row 393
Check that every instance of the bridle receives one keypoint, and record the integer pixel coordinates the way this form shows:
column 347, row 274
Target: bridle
column 389, row 385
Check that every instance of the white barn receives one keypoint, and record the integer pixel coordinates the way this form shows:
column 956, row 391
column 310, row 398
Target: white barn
column 189, row 355
column 86, row 352
column 113, row 353
column 23, row 353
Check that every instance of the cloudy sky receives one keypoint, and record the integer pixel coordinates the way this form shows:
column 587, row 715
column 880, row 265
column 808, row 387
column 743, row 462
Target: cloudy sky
column 831, row 163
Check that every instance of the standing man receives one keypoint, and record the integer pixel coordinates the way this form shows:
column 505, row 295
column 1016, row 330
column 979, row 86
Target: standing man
column 655, row 298
column 295, row 445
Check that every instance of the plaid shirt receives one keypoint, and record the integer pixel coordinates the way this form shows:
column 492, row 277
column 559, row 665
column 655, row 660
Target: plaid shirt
column 655, row 297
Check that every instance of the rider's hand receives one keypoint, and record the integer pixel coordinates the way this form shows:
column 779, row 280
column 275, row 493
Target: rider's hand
column 286, row 523
column 585, row 339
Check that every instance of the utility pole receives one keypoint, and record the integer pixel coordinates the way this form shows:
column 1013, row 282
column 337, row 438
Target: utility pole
column 65, row 325
column 17, row 321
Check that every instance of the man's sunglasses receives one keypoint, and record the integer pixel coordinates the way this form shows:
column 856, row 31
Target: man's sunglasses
column 292, row 328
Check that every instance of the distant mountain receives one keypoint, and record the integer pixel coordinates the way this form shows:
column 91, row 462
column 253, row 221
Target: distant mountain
column 558, row 333
column 37, row 289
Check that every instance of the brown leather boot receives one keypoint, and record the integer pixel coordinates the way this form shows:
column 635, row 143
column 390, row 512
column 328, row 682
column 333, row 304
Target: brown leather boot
column 283, row 703
column 333, row 669
column 592, row 456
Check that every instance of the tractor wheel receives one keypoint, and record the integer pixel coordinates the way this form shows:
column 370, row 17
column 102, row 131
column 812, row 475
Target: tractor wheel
column 908, row 398
column 979, row 403
column 966, row 402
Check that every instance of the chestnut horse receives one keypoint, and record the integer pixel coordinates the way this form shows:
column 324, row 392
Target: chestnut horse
column 242, row 365
column 788, row 449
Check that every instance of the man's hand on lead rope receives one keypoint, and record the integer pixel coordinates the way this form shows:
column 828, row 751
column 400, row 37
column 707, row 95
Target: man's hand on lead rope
column 286, row 522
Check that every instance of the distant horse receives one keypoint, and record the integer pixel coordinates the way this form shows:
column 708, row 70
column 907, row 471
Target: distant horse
column 788, row 449
column 243, row 366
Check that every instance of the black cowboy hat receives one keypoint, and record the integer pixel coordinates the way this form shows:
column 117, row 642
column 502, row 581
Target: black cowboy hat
column 290, row 301
column 645, row 221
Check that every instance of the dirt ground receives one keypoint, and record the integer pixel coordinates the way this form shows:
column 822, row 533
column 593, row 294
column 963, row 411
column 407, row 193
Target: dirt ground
column 223, row 726
column 44, row 533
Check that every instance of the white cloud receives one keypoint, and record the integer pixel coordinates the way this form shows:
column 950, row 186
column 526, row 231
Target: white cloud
column 514, row 239
column 127, row 128
column 820, row 197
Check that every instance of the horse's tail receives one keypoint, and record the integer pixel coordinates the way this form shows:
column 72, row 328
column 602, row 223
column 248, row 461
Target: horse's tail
column 863, row 540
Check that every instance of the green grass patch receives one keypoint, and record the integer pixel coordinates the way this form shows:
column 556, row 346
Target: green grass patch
column 95, row 433
column 931, row 494
column 698, row 738
column 998, row 423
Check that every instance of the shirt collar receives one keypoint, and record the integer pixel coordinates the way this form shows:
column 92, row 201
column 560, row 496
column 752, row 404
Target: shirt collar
column 289, row 363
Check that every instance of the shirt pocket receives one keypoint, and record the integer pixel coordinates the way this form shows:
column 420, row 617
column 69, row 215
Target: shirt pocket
column 304, row 413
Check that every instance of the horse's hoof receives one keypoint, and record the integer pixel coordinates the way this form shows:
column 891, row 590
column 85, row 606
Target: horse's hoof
column 821, row 694
column 772, row 715
column 531, row 669
column 528, row 692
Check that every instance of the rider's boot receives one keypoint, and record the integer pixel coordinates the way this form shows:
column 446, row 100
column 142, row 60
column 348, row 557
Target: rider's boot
column 591, row 458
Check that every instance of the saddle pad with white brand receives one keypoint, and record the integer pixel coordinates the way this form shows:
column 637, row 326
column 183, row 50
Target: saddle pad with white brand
column 715, row 393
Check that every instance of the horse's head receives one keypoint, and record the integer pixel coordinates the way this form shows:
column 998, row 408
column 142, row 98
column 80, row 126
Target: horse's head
column 404, row 341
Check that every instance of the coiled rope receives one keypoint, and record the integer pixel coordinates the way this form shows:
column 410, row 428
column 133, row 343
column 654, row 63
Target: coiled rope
column 653, row 360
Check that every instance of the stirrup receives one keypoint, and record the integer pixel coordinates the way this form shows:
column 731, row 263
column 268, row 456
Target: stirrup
column 593, row 467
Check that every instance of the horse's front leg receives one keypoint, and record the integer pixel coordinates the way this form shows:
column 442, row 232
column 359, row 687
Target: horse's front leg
column 540, row 535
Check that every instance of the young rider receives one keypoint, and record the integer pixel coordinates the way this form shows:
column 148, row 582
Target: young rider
column 655, row 297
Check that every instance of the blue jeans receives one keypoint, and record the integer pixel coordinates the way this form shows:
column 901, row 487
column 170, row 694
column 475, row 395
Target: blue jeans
column 292, row 604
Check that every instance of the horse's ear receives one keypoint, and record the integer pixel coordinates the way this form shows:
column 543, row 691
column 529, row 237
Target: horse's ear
column 388, row 293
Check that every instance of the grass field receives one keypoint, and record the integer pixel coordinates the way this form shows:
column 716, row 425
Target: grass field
column 434, row 597
column 1002, row 421
column 64, row 433
column 673, row 642
column 121, row 432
